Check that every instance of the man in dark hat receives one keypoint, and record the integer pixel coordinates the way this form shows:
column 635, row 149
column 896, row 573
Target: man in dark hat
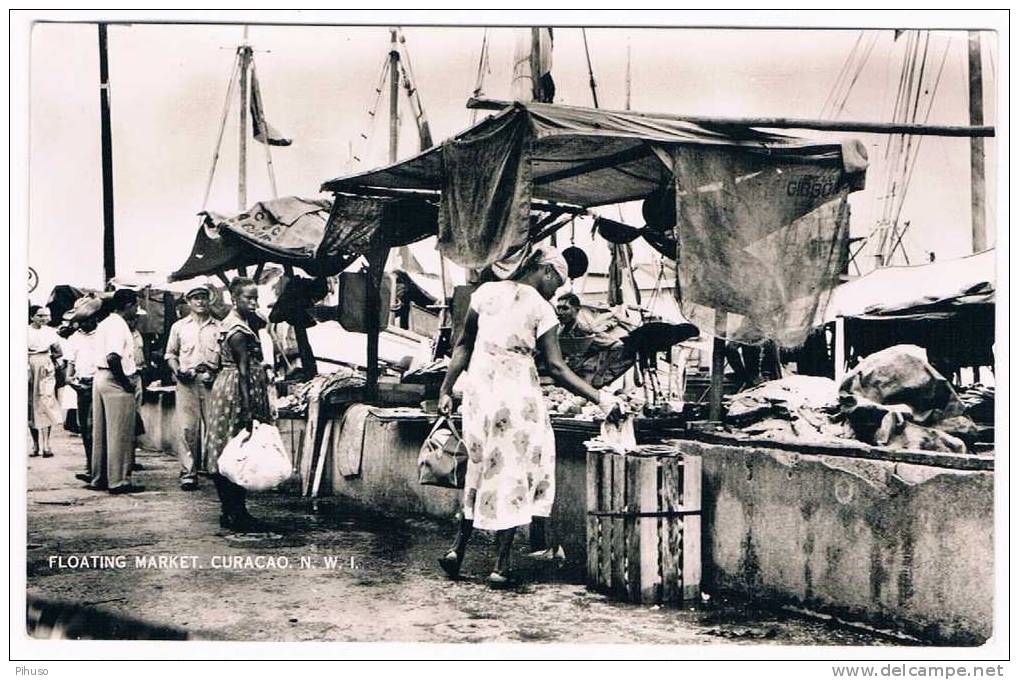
column 192, row 353
column 82, row 356
column 113, row 399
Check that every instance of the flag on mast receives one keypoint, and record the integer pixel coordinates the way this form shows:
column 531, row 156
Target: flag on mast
column 260, row 127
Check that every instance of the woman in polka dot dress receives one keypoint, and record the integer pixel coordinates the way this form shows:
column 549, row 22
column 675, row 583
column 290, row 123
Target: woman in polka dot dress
column 240, row 396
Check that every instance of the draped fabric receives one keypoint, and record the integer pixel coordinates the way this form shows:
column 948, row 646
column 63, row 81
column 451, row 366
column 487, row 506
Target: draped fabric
column 763, row 240
column 484, row 214
column 321, row 237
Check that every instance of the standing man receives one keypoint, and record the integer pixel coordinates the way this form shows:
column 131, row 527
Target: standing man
column 82, row 357
column 192, row 353
column 113, row 399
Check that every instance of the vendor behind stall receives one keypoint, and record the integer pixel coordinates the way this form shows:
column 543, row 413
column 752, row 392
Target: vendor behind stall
column 598, row 358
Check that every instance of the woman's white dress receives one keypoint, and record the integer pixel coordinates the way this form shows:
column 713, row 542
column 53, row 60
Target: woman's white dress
column 511, row 470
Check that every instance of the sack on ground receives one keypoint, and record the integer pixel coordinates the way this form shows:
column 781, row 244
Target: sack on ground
column 443, row 458
column 257, row 462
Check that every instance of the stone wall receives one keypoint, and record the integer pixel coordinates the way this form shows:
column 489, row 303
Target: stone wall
column 894, row 544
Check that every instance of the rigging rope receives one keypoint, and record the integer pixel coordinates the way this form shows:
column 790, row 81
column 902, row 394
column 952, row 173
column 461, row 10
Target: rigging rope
column 222, row 127
column 483, row 68
column 365, row 139
column 859, row 69
column 841, row 76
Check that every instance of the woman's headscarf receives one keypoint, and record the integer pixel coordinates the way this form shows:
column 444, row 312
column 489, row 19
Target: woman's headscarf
column 513, row 265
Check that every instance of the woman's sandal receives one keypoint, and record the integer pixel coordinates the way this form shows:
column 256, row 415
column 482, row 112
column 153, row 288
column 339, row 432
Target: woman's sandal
column 498, row 581
column 47, row 454
column 450, row 564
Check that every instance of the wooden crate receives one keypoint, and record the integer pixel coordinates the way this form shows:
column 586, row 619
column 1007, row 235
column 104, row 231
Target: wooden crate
column 644, row 525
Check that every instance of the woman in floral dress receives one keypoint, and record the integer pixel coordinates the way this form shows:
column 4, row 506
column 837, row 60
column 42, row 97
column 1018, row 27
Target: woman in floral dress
column 240, row 396
column 43, row 406
column 511, row 467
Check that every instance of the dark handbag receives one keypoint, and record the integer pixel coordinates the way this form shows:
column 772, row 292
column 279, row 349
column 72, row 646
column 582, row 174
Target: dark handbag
column 443, row 458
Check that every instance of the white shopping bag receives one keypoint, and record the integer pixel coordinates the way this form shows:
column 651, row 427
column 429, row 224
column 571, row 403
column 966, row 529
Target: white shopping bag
column 257, row 461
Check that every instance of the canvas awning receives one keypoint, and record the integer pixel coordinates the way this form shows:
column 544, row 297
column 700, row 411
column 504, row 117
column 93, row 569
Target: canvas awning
column 761, row 219
column 586, row 157
column 934, row 290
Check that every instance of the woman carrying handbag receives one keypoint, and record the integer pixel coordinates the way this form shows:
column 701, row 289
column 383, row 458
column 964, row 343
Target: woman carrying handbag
column 510, row 475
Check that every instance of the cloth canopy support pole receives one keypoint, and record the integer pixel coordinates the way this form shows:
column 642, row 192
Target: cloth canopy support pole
column 106, row 134
column 377, row 254
column 308, row 361
column 717, row 366
column 840, row 350
column 782, row 123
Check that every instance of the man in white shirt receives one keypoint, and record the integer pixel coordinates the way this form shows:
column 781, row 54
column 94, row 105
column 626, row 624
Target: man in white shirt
column 113, row 399
column 192, row 353
column 82, row 355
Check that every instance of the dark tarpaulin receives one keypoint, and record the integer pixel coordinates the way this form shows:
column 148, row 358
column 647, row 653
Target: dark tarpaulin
column 354, row 219
column 212, row 252
column 485, row 210
column 319, row 236
column 762, row 239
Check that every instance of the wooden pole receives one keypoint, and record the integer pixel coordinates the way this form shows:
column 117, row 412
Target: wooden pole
column 106, row 138
column 718, row 366
column 242, row 139
column 394, row 94
column 976, row 146
column 840, row 350
column 778, row 123
column 376, row 256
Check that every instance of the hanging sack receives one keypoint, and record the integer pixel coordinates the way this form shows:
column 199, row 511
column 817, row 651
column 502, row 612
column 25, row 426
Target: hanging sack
column 258, row 461
column 443, row 458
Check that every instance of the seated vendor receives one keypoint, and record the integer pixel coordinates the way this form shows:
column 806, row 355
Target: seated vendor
column 597, row 357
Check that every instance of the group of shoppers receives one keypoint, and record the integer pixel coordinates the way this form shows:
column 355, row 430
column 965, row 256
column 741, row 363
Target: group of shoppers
column 222, row 388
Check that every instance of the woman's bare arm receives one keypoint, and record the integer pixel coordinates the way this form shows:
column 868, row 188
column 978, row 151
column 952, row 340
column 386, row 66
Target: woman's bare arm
column 564, row 376
column 459, row 361
column 239, row 349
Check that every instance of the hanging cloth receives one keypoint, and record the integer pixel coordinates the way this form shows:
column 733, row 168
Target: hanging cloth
column 484, row 214
column 763, row 238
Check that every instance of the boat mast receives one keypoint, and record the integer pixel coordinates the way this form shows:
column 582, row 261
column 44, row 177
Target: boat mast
column 106, row 135
column 244, row 54
column 976, row 145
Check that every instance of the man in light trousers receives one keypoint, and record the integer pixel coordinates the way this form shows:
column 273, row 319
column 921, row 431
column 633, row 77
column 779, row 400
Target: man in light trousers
column 192, row 353
column 113, row 399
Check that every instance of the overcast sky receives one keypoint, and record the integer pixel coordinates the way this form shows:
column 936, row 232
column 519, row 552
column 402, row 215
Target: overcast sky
column 168, row 84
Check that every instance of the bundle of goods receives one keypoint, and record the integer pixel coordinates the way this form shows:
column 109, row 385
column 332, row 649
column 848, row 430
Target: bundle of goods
column 295, row 404
column 431, row 373
column 895, row 398
column 796, row 407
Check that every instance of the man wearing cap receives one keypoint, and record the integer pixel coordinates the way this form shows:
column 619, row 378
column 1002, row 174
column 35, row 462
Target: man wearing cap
column 192, row 353
column 113, row 399
column 82, row 356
